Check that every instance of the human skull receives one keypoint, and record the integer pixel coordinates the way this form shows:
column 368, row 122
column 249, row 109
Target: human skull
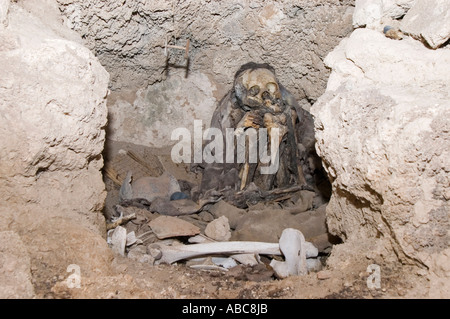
column 258, row 88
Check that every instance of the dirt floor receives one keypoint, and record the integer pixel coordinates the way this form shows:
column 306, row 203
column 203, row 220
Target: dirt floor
column 344, row 274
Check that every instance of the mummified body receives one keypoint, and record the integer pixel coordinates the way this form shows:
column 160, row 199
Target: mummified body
column 257, row 100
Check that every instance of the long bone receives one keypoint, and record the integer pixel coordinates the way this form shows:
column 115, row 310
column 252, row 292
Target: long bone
column 272, row 121
column 171, row 254
column 293, row 247
column 250, row 119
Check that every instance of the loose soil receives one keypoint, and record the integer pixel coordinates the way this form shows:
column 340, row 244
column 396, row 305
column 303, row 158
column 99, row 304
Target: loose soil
column 344, row 275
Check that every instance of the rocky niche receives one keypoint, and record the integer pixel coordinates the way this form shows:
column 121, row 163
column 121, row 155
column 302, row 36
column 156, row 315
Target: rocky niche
column 371, row 74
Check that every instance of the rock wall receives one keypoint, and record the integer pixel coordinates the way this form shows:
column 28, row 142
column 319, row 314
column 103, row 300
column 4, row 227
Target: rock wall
column 52, row 127
column 383, row 133
column 128, row 38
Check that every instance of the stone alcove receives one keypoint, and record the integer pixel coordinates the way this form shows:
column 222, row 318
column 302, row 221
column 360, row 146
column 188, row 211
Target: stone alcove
column 69, row 67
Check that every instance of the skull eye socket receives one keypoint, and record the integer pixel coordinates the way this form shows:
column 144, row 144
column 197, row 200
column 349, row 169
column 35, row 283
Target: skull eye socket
column 272, row 87
column 266, row 95
column 254, row 90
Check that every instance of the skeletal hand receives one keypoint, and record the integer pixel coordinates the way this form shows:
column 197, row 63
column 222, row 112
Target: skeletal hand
column 251, row 119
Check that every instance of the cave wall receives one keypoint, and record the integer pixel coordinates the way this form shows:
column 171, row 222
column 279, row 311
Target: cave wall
column 152, row 95
column 52, row 127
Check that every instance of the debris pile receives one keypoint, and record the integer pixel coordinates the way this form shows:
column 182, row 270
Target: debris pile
column 162, row 225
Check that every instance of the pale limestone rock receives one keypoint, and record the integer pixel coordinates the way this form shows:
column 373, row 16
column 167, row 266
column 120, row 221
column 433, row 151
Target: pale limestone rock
column 382, row 131
column 429, row 20
column 396, row 8
column 4, row 6
column 374, row 14
column 53, row 105
column 15, row 274
column 368, row 13
column 218, row 229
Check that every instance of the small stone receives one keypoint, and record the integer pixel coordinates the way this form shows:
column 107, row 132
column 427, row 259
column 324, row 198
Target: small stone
column 168, row 226
column 149, row 187
column 304, row 201
column 178, row 196
column 348, row 284
column 219, row 229
column 233, row 213
column 401, row 292
column 137, row 253
column 206, row 216
column 324, row 274
column 313, row 264
column 224, row 262
column 392, row 33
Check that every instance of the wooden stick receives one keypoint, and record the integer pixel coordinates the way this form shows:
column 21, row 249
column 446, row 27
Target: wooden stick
column 138, row 159
column 112, row 175
column 178, row 47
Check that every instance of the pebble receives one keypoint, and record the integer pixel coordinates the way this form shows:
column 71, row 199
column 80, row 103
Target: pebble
column 219, row 229
column 178, row 195
column 324, row 274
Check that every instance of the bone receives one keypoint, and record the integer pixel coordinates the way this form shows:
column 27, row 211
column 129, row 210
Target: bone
column 270, row 122
column 200, row 239
column 244, row 175
column 118, row 240
column 121, row 220
column 250, row 119
column 245, row 259
column 171, row 254
column 292, row 244
column 276, row 121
